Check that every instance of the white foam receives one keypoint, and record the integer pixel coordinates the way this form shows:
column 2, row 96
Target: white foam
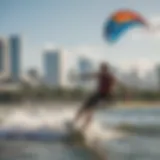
column 27, row 118
column 54, row 119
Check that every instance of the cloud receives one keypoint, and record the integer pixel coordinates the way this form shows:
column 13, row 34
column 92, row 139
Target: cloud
column 154, row 20
column 147, row 33
column 51, row 46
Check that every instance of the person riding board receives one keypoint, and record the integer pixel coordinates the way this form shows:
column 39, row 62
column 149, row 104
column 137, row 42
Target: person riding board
column 104, row 92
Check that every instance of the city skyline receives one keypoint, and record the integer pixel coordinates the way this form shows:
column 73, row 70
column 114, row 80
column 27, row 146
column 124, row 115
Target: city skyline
column 65, row 71
column 77, row 26
column 58, row 64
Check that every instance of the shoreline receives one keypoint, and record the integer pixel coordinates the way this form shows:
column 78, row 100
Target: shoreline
column 137, row 104
column 76, row 104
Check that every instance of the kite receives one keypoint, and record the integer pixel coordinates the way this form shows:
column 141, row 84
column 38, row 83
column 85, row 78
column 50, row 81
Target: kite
column 120, row 22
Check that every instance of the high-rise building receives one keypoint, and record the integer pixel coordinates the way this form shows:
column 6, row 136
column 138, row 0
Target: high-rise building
column 52, row 67
column 85, row 65
column 4, row 59
column 57, row 66
column 68, row 64
column 15, row 51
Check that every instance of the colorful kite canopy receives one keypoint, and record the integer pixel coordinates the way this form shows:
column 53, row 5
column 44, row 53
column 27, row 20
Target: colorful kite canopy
column 120, row 22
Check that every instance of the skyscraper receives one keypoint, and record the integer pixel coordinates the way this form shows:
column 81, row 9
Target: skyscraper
column 15, row 51
column 4, row 58
column 85, row 65
column 52, row 67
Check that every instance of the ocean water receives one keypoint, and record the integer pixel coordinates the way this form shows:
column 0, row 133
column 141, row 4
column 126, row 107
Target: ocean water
column 138, row 116
column 143, row 143
column 136, row 146
column 20, row 150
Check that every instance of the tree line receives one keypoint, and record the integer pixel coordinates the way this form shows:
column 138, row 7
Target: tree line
column 75, row 94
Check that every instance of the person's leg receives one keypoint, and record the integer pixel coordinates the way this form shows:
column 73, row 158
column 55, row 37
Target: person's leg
column 90, row 110
column 85, row 111
column 88, row 119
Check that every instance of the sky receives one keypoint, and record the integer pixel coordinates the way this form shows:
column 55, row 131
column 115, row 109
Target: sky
column 77, row 25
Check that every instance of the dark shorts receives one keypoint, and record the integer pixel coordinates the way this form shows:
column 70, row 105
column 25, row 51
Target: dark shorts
column 93, row 100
